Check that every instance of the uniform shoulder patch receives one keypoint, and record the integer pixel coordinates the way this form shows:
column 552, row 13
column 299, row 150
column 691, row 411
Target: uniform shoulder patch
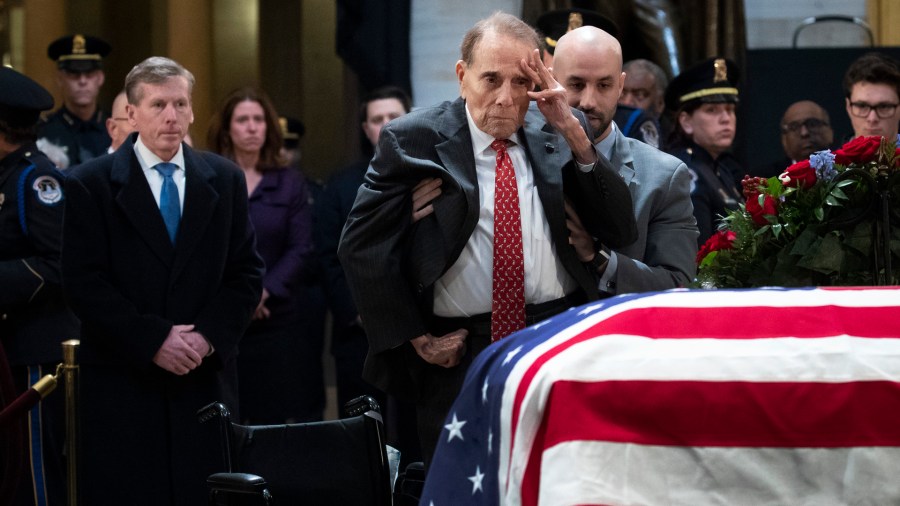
column 650, row 133
column 49, row 191
column 694, row 179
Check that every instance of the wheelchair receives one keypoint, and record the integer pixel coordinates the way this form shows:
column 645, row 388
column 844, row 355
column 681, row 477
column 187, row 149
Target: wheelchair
column 332, row 462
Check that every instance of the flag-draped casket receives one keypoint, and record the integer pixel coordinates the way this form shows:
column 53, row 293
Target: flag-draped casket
column 737, row 397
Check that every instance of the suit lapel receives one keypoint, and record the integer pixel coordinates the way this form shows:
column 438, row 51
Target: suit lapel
column 623, row 159
column 456, row 154
column 200, row 200
column 548, row 154
column 137, row 203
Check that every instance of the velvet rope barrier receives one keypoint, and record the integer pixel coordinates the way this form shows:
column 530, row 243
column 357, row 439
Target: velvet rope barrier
column 16, row 409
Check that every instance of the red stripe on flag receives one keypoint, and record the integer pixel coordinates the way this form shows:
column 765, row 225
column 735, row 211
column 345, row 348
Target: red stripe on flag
column 716, row 414
column 753, row 322
column 735, row 413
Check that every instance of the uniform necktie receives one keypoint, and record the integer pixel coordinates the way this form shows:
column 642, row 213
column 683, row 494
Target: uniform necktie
column 169, row 204
column 508, row 289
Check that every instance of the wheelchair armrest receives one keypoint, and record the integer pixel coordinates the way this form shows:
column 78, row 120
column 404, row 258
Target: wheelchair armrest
column 361, row 405
column 213, row 411
column 239, row 483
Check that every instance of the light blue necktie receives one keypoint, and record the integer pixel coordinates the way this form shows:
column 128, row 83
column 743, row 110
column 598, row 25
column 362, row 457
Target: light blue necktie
column 169, row 204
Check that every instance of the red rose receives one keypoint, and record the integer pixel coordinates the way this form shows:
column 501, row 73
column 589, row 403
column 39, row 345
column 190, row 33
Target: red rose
column 759, row 212
column 859, row 150
column 718, row 241
column 799, row 174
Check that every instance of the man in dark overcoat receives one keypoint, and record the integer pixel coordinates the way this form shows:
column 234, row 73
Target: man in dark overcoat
column 159, row 264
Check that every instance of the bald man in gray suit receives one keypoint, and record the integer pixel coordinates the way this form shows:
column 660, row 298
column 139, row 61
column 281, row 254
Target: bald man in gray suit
column 588, row 62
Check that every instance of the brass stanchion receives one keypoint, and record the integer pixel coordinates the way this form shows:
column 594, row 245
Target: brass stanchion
column 70, row 375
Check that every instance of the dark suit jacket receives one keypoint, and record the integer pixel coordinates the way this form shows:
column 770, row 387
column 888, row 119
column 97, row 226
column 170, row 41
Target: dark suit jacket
column 391, row 265
column 128, row 284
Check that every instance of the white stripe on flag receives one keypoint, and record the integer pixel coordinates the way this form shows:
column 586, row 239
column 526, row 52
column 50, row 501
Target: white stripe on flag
column 628, row 474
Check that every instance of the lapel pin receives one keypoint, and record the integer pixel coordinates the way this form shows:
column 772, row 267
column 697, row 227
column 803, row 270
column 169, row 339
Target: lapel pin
column 550, row 148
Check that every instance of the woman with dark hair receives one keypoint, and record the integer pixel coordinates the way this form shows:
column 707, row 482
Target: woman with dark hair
column 705, row 98
column 246, row 131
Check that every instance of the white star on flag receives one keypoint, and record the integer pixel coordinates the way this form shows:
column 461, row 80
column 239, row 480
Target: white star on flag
column 490, row 442
column 484, row 389
column 510, row 355
column 476, row 480
column 539, row 324
column 455, row 428
column 590, row 309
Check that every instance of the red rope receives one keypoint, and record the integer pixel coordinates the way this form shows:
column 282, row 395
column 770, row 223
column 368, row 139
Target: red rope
column 17, row 408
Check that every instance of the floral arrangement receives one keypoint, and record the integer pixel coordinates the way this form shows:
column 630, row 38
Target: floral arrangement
column 831, row 220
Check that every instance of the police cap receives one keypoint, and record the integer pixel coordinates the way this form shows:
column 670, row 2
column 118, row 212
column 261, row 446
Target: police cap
column 555, row 24
column 714, row 80
column 78, row 53
column 22, row 99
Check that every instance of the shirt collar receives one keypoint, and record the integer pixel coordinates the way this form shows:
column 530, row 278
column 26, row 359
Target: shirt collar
column 148, row 159
column 607, row 145
column 481, row 140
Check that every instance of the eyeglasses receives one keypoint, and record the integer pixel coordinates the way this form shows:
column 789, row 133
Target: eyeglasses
column 883, row 110
column 811, row 124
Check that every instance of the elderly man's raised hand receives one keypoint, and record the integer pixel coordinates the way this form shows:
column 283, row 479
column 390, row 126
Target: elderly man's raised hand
column 551, row 101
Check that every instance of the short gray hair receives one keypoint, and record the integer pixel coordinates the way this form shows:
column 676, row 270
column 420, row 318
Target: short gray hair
column 500, row 23
column 154, row 70
column 659, row 75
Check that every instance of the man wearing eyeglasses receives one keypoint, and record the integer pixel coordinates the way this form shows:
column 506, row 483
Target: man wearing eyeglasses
column 805, row 129
column 872, row 87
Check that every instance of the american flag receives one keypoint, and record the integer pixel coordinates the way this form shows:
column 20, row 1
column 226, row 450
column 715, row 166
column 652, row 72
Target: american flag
column 732, row 397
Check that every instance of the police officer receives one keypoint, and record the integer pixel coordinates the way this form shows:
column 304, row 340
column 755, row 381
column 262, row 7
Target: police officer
column 704, row 98
column 34, row 319
column 79, row 126
column 633, row 122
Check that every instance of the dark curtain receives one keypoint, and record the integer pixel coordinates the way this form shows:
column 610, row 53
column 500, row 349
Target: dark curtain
column 674, row 34
column 373, row 39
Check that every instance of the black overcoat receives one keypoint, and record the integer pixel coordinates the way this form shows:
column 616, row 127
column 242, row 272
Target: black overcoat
column 141, row 442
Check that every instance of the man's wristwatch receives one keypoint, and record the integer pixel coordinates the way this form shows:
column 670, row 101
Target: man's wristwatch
column 601, row 258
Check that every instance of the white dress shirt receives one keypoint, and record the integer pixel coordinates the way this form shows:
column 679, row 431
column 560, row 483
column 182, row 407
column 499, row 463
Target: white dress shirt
column 465, row 289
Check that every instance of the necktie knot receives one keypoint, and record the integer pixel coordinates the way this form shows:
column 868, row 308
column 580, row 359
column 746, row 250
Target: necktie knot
column 166, row 169
column 499, row 145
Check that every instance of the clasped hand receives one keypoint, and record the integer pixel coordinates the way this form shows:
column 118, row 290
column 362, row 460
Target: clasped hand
column 182, row 351
column 445, row 351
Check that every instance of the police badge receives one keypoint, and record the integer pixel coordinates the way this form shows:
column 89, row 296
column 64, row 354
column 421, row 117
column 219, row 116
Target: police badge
column 48, row 190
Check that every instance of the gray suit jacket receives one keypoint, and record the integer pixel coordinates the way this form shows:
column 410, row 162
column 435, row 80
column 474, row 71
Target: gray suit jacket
column 664, row 254
column 392, row 264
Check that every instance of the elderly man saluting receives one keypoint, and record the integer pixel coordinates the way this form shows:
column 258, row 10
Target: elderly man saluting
column 495, row 254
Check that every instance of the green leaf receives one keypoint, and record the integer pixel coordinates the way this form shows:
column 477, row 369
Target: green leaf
column 845, row 182
column 839, row 194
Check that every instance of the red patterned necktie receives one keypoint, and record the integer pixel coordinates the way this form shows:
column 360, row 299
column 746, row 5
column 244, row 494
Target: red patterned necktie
column 508, row 292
